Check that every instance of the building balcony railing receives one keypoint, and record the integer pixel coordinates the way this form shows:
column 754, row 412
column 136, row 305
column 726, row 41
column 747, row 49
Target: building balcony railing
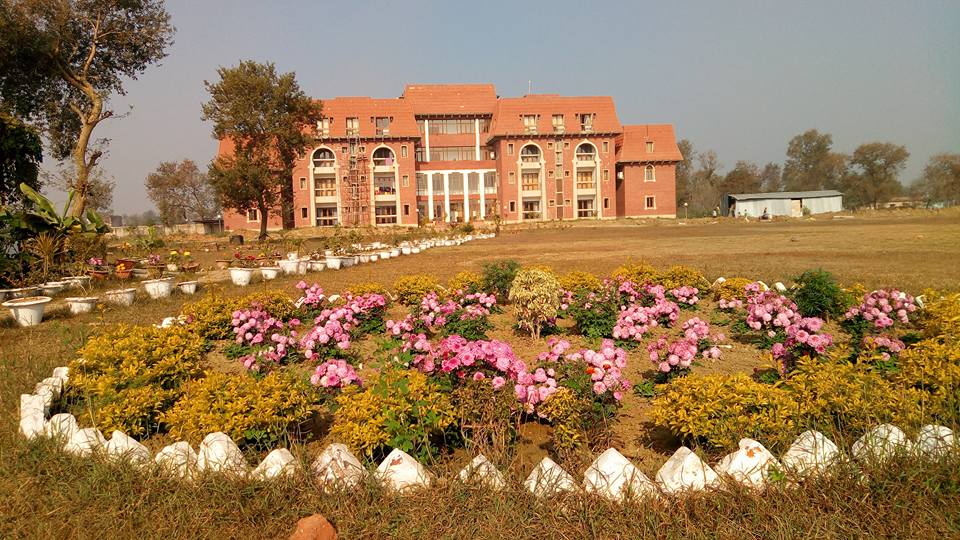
column 585, row 156
column 353, row 132
column 383, row 162
column 530, row 158
column 586, row 186
column 531, row 214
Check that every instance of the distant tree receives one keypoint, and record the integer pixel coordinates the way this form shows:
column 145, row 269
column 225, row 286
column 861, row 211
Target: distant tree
column 705, row 183
column 744, row 177
column 940, row 182
column 150, row 217
column 21, row 152
column 873, row 176
column 811, row 165
column 771, row 178
column 684, row 171
column 266, row 116
column 181, row 192
column 99, row 185
column 61, row 60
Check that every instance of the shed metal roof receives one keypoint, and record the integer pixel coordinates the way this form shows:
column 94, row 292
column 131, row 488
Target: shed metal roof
column 786, row 195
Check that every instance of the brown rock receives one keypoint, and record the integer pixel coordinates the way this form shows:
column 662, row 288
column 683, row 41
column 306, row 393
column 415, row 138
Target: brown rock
column 315, row 527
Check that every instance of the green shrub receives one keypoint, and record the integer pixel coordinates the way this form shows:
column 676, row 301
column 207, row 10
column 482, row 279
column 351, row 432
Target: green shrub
column 578, row 282
column 412, row 288
column 498, row 277
column 486, row 416
column 535, row 295
column 566, row 413
column 818, row 294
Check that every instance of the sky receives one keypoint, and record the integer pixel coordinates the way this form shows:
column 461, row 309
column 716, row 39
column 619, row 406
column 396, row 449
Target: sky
column 738, row 77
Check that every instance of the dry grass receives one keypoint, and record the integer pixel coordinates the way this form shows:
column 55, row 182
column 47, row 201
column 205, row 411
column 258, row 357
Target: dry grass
column 44, row 494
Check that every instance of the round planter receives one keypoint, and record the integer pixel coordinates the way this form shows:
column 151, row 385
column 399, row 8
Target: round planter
column 27, row 311
column 348, row 261
column 288, row 266
column 158, row 288
column 188, row 287
column 303, row 265
column 51, row 288
column 141, row 273
column 395, row 252
column 241, row 276
column 123, row 297
column 122, row 274
column 374, row 257
column 99, row 274
column 270, row 272
column 364, row 258
column 317, row 266
column 77, row 281
column 223, row 264
column 81, row 304
column 5, row 293
column 23, row 292
column 190, row 267
column 292, row 256
column 406, row 250
column 415, row 250
column 334, row 263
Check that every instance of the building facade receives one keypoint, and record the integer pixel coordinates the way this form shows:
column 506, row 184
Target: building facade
column 460, row 153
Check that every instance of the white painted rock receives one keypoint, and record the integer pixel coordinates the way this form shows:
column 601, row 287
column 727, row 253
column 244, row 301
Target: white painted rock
column 178, row 459
column 32, row 415
column 218, row 453
column 47, row 393
column 718, row 281
column 548, row 479
column 337, row 467
column 811, row 452
column 934, row 440
column 613, row 477
column 750, row 465
column 122, row 447
column 881, row 442
column 401, row 472
column 55, row 384
column 279, row 462
column 685, row 471
column 62, row 373
column 780, row 287
column 61, row 426
column 31, row 403
column 85, row 442
column 482, row 472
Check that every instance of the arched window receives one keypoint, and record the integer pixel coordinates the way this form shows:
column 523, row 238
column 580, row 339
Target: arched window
column 323, row 157
column 383, row 156
column 530, row 154
column 586, row 152
column 649, row 174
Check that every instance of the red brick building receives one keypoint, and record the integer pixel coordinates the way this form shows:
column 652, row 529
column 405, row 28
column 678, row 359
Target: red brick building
column 458, row 152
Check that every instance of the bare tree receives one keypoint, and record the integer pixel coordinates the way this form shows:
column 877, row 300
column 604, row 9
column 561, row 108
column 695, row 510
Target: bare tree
column 181, row 192
column 99, row 185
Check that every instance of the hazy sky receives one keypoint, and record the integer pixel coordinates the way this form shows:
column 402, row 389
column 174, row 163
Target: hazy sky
column 737, row 77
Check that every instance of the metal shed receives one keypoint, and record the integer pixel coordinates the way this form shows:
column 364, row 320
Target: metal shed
column 783, row 203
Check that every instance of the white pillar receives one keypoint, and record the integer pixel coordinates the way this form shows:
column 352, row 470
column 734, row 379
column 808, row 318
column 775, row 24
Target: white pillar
column 446, row 196
column 476, row 131
column 483, row 191
column 426, row 136
column 430, row 195
column 598, row 192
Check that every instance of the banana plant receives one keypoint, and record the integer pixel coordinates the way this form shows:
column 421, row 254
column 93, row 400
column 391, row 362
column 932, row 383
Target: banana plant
column 43, row 217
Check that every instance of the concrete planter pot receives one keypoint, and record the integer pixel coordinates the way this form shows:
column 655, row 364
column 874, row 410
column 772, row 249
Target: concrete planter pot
column 24, row 292
column 76, row 282
column 334, row 263
column 158, row 288
column 303, row 265
column 288, row 266
column 5, row 294
column 406, row 250
column 270, row 272
column 385, row 254
column 123, row 297
column 52, row 288
column 316, row 266
column 81, row 304
column 241, row 276
column 414, row 250
column 292, row 255
column 188, row 287
column 365, row 258
column 27, row 311
column 374, row 257
column 349, row 260
column 395, row 252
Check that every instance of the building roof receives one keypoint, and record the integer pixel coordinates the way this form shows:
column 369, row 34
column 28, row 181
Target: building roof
column 437, row 99
column 508, row 117
column 366, row 109
column 786, row 195
column 632, row 145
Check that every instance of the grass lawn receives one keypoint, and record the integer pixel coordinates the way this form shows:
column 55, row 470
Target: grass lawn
column 44, row 494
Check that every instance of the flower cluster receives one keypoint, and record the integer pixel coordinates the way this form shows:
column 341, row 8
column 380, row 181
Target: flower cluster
column 654, row 309
column 770, row 311
column 242, row 261
column 884, row 345
column 95, row 261
column 335, row 374
column 536, row 387
column 678, row 355
column 803, row 337
column 602, row 369
column 153, row 259
column 884, row 308
column 267, row 340
column 460, row 314
column 330, row 333
column 685, row 295
column 477, row 360
column 784, row 329
column 730, row 305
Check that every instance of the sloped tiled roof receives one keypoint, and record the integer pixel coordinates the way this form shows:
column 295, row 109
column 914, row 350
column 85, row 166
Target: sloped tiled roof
column 632, row 146
column 364, row 108
column 427, row 99
column 507, row 119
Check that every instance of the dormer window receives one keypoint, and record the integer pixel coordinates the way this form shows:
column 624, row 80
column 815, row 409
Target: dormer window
column 323, row 127
column 382, row 125
column 649, row 147
column 353, row 126
column 586, row 121
column 530, row 123
column 558, row 126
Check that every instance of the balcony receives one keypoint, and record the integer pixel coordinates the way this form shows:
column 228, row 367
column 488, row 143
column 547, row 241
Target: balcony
column 586, row 186
column 585, row 156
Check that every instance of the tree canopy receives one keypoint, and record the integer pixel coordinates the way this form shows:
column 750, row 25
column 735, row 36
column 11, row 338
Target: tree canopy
column 874, row 173
column 811, row 164
column 21, row 152
column 940, row 181
column 181, row 191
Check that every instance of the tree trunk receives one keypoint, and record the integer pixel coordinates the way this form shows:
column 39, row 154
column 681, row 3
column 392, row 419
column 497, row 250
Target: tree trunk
column 83, row 166
column 286, row 203
column 264, row 213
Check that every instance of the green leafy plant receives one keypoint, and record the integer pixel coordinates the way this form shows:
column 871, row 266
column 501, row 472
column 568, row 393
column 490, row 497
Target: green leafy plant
column 498, row 276
column 535, row 295
column 817, row 294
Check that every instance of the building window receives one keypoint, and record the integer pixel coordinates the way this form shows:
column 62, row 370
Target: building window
column 303, row 183
column 512, row 177
column 386, row 214
column 606, row 147
column 649, row 174
column 529, row 123
column 303, row 213
column 353, row 126
column 550, row 203
column 606, row 175
column 382, row 124
column 403, row 151
column 530, row 154
column 531, row 209
column 252, row 215
column 326, row 216
column 549, row 145
column 510, row 149
column 558, row 126
column 566, row 144
column 585, row 208
column 649, row 147
column 343, row 149
column 585, row 180
column 550, row 173
column 606, row 202
column 453, row 126
column 453, row 153
column 382, row 157
column 323, row 157
column 406, row 180
column 513, row 206
column 384, row 185
column 586, row 152
column 586, row 121
column 650, row 202
column 566, row 173
column 530, row 181
column 406, row 209
column 323, row 127
column 325, row 186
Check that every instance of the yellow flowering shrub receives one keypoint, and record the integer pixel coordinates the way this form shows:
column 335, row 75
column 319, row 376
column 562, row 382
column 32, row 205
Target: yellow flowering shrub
column 467, row 281
column 941, row 315
column 933, row 367
column 410, row 289
column 252, row 411
column 679, row 275
column 535, row 296
column 539, row 266
column 565, row 411
column 577, row 281
column 731, row 288
column 210, row 316
column 401, row 409
column 277, row 303
column 637, row 272
column 370, row 287
column 719, row 410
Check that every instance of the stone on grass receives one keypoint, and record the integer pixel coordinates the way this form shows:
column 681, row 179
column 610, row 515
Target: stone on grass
column 61, row 426
column 337, row 467
column 881, row 442
column 548, row 479
column 124, row 448
column 178, row 459
column 279, row 462
column 811, row 452
column 685, row 471
column 54, row 383
column 85, row 442
column 613, row 477
column 401, row 472
column 934, row 440
column 32, row 415
column 482, row 472
column 315, row 527
column 218, row 453
column 750, row 465
column 780, row 287
column 31, row 403
column 62, row 373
